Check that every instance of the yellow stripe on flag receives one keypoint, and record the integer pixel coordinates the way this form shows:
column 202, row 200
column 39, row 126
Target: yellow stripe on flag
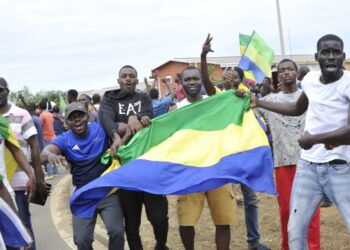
column 185, row 146
column 10, row 162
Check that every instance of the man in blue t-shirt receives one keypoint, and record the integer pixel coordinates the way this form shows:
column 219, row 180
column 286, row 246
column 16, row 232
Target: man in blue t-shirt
column 80, row 150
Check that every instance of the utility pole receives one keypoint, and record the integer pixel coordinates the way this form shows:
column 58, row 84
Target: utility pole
column 283, row 53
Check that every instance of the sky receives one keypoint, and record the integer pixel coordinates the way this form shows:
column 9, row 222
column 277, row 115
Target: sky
column 81, row 44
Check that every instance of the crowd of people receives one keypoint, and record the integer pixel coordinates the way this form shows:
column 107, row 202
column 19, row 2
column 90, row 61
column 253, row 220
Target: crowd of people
column 306, row 117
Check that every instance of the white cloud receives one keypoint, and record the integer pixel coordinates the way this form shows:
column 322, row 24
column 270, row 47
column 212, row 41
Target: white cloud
column 47, row 44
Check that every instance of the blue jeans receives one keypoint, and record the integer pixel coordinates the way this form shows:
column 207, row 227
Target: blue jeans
column 311, row 182
column 251, row 214
column 24, row 213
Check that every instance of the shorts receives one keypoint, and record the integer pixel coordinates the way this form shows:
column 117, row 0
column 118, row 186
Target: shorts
column 220, row 201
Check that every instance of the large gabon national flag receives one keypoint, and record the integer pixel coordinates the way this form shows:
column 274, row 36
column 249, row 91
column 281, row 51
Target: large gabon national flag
column 196, row 148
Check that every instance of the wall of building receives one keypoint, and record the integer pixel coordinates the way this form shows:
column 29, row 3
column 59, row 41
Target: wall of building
column 170, row 70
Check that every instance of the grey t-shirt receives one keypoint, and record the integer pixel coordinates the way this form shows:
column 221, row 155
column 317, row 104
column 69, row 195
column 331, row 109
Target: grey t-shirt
column 285, row 130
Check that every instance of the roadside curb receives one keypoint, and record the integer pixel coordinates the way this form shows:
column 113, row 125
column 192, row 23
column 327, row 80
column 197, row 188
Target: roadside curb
column 62, row 217
column 60, row 212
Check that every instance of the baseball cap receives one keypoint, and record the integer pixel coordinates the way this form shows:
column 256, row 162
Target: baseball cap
column 3, row 83
column 75, row 106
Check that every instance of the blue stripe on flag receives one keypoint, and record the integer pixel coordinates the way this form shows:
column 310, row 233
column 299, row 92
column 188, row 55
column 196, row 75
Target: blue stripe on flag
column 11, row 228
column 248, row 65
column 171, row 178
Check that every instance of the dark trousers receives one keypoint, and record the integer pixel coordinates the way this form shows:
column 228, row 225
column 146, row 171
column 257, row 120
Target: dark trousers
column 157, row 213
column 112, row 216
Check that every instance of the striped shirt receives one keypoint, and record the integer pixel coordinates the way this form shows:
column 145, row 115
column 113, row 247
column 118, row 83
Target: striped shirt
column 23, row 128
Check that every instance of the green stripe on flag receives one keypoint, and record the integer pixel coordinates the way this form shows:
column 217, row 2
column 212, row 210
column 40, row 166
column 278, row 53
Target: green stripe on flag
column 221, row 110
column 262, row 48
column 4, row 128
column 260, row 53
column 243, row 42
column 63, row 105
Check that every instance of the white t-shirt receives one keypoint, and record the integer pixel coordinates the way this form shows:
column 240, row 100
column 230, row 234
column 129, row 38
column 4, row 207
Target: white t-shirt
column 185, row 102
column 327, row 111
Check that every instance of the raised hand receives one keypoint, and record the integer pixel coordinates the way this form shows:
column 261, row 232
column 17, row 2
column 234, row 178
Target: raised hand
column 207, row 46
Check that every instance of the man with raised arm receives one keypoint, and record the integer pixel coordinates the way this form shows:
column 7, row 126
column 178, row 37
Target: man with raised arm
column 220, row 200
column 233, row 80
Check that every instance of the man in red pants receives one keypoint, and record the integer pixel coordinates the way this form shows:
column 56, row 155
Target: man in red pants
column 285, row 131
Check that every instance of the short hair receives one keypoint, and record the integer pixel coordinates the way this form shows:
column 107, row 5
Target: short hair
column 96, row 98
column 287, row 60
column 268, row 79
column 154, row 93
column 3, row 83
column 190, row 68
column 329, row 37
column 127, row 66
column 55, row 109
column 72, row 94
column 239, row 71
column 31, row 107
column 88, row 98
column 42, row 105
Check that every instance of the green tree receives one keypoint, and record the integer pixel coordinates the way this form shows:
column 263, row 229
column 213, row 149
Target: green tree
column 52, row 95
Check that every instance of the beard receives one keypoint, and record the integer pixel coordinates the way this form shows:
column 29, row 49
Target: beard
column 127, row 91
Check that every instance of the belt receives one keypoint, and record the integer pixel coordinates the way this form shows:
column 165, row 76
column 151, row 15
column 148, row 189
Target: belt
column 337, row 162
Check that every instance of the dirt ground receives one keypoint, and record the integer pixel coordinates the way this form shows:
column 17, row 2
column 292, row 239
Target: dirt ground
column 333, row 231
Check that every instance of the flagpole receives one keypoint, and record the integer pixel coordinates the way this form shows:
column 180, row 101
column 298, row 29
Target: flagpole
column 246, row 47
column 283, row 53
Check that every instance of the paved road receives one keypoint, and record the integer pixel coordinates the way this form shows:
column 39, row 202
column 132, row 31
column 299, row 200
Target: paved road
column 46, row 234
column 52, row 223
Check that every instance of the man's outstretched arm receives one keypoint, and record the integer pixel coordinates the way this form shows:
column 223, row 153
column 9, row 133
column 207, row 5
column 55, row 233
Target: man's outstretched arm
column 290, row 109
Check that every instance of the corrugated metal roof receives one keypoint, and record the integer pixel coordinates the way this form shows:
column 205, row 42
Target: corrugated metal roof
column 225, row 61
